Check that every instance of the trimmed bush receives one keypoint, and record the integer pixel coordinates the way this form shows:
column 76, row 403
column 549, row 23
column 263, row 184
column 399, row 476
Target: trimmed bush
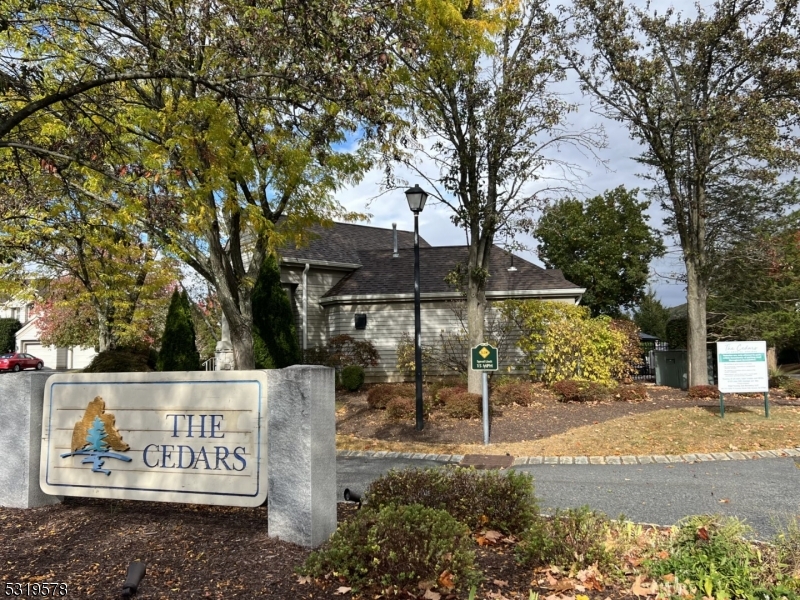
column 178, row 346
column 119, row 361
column 792, row 388
column 401, row 408
column 443, row 393
column 462, row 405
column 480, row 499
column 397, row 547
column 352, row 377
column 573, row 390
column 379, row 395
column 703, row 391
column 8, row 330
column 571, row 539
column 634, row 392
column 512, row 392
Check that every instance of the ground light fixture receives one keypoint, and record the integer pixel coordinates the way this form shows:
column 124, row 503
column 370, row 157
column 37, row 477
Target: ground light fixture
column 416, row 197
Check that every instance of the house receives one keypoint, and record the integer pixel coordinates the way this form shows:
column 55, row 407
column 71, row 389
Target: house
column 27, row 339
column 359, row 280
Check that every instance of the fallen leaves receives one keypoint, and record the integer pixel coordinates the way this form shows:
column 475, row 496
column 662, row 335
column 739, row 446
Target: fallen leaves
column 341, row 590
column 644, row 589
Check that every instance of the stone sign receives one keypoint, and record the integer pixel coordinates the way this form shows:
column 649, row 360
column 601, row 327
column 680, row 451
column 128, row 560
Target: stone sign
column 198, row 437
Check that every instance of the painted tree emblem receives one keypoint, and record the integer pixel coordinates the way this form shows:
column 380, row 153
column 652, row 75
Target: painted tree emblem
column 94, row 436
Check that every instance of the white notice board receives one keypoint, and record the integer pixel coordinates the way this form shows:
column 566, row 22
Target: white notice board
column 742, row 367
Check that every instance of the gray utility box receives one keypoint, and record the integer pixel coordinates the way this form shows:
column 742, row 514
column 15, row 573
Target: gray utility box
column 672, row 368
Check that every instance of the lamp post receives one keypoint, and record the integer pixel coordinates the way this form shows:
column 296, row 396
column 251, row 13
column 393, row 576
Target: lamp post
column 416, row 197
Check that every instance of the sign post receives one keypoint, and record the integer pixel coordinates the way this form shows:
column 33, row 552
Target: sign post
column 742, row 367
column 484, row 358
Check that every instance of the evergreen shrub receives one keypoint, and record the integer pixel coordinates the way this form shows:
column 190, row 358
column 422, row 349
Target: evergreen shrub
column 503, row 502
column 8, row 330
column 397, row 547
column 178, row 345
column 122, row 360
column 274, row 336
column 352, row 377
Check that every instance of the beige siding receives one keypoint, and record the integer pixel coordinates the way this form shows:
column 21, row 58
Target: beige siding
column 320, row 281
column 387, row 322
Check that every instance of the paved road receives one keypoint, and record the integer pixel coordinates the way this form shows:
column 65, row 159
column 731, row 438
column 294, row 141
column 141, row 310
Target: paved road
column 763, row 492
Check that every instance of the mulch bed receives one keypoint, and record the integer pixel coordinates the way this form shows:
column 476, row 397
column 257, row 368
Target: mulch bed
column 510, row 424
column 194, row 551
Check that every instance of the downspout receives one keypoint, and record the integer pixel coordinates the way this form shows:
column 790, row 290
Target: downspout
column 305, row 306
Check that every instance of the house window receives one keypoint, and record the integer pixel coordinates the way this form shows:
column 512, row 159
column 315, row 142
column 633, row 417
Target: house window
column 361, row 321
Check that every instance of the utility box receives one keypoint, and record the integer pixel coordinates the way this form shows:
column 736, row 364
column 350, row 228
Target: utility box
column 672, row 369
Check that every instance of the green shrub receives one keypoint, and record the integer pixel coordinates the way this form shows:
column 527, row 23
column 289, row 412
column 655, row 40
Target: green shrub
column 710, row 552
column 397, row 546
column 8, row 330
column 703, row 391
column 379, row 395
column 574, row 390
column 119, row 361
column 400, row 408
column 178, row 345
column 570, row 539
column 792, row 388
column 512, row 392
column 503, row 502
column 462, row 405
column 777, row 378
column 274, row 336
column 634, row 392
column 352, row 377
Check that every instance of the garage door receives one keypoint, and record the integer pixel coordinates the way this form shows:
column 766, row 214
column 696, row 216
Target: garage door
column 48, row 354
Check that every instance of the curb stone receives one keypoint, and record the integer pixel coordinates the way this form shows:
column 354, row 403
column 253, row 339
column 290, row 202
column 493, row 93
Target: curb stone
column 585, row 460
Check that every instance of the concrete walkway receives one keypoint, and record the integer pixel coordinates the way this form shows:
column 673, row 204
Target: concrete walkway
column 764, row 490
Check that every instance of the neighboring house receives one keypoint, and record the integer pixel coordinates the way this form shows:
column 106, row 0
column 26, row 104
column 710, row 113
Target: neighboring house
column 359, row 280
column 27, row 339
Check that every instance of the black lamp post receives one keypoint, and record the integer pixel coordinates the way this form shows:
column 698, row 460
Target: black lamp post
column 416, row 197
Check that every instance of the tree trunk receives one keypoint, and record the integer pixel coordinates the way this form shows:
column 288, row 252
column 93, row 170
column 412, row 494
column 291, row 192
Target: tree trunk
column 772, row 359
column 476, row 312
column 696, row 295
column 240, row 320
column 105, row 337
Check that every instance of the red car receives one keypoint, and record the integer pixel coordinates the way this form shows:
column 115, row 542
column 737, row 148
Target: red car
column 15, row 361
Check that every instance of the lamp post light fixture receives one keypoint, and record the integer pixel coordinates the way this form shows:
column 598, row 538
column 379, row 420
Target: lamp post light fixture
column 416, row 197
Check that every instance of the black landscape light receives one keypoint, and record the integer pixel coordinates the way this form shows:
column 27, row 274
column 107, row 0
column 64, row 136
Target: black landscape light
column 352, row 496
column 416, row 197
column 136, row 571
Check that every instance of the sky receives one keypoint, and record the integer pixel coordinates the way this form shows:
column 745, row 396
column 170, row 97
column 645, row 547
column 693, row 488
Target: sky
column 618, row 167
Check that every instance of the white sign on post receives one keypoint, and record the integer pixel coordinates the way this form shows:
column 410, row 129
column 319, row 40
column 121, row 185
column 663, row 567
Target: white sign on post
column 742, row 367
column 172, row 437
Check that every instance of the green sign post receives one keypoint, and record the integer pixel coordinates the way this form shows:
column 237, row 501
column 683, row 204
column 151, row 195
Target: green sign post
column 484, row 358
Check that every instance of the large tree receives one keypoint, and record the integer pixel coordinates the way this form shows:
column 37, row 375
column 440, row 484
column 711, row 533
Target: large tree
column 711, row 97
column 604, row 245
column 755, row 291
column 95, row 259
column 227, row 163
column 481, row 83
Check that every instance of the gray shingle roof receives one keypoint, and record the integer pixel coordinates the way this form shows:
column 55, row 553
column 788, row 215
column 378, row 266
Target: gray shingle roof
column 382, row 274
column 342, row 243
